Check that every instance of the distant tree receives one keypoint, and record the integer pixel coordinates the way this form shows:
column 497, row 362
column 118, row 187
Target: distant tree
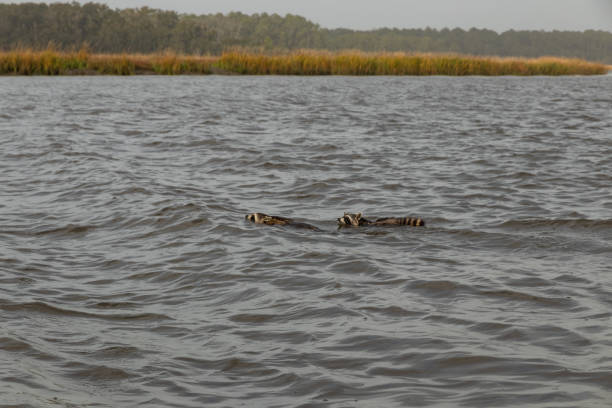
column 146, row 30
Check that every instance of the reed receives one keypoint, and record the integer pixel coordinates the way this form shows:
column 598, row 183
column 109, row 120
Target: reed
column 358, row 63
column 174, row 64
column 305, row 62
column 50, row 62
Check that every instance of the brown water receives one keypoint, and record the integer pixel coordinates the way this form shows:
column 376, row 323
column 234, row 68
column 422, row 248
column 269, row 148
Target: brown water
column 129, row 277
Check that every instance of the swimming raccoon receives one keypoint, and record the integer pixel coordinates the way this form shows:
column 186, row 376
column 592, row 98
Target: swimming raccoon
column 411, row 221
column 261, row 218
column 357, row 220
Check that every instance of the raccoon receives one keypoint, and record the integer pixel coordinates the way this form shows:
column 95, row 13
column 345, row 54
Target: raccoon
column 357, row 220
column 260, row 218
column 411, row 221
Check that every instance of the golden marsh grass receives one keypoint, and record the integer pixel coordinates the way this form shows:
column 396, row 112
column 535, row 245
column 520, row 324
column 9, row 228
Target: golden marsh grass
column 307, row 62
column 359, row 63
column 49, row 62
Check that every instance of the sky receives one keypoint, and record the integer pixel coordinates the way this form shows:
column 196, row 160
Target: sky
column 498, row 15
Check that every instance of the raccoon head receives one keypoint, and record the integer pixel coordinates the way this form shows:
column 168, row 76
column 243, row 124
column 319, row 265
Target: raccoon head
column 354, row 220
column 257, row 218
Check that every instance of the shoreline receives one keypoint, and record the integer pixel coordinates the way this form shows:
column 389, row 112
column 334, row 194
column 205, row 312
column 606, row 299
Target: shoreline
column 302, row 63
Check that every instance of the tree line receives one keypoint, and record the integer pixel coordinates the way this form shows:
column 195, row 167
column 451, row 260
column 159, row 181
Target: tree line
column 146, row 30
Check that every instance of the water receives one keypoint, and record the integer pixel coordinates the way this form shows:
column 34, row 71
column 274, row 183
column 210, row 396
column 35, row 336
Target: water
column 129, row 277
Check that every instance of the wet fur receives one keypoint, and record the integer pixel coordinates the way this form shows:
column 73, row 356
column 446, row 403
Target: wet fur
column 354, row 220
column 357, row 220
column 261, row 218
column 411, row 221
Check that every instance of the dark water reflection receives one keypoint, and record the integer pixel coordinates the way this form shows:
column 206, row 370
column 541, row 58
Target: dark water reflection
column 129, row 277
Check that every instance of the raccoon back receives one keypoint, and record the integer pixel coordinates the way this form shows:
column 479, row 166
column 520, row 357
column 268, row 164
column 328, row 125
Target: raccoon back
column 275, row 220
column 411, row 221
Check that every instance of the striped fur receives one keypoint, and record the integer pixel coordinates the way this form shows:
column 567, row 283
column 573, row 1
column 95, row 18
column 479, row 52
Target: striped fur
column 357, row 220
column 411, row 221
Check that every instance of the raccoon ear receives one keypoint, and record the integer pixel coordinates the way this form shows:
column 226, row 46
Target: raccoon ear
column 358, row 215
column 345, row 213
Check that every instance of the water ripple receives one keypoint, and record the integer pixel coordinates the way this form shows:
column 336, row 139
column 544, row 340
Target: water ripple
column 131, row 278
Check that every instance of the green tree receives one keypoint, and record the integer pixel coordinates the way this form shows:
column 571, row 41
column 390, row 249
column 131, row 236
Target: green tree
column 146, row 30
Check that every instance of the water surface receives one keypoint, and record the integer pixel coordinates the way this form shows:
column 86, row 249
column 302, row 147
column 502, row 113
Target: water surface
column 129, row 277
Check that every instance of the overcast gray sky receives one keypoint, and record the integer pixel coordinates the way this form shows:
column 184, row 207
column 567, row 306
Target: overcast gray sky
column 499, row 15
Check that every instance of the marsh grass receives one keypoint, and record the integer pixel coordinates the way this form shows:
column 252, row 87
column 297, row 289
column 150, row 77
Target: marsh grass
column 306, row 62
column 50, row 62
column 359, row 63
column 173, row 64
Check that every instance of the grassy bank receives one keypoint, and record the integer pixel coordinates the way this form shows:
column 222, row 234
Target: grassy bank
column 50, row 62
column 356, row 63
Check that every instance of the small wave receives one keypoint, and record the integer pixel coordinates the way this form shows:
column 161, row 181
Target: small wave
column 390, row 311
column 253, row 318
column 291, row 337
column 161, row 144
column 276, row 165
column 44, row 308
column 510, row 295
column 91, row 156
column 455, row 290
column 205, row 142
column 177, row 208
column 22, row 281
column 114, row 305
column 99, row 373
column 375, row 343
column 68, row 230
column 439, row 288
column 114, row 352
column 357, row 266
column 28, row 155
column 557, row 223
column 133, row 190
column 308, row 313
column 172, row 227
column 325, row 147
column 12, row 345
